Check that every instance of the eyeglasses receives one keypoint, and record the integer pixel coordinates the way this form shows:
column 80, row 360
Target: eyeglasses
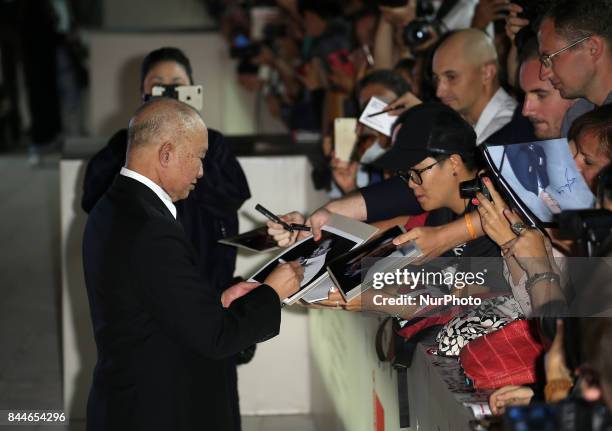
column 546, row 59
column 415, row 174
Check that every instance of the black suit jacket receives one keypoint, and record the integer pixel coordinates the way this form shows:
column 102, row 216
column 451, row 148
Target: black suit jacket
column 159, row 331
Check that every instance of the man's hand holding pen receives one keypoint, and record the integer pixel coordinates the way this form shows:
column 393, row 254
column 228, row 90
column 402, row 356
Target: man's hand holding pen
column 285, row 229
column 276, row 219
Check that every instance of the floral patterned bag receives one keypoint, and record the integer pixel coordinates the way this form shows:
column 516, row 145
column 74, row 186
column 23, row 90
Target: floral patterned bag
column 491, row 315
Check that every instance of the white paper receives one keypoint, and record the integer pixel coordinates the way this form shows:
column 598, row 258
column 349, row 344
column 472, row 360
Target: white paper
column 320, row 292
column 381, row 123
column 348, row 229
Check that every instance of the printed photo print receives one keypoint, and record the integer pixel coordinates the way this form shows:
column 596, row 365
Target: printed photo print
column 312, row 255
column 544, row 176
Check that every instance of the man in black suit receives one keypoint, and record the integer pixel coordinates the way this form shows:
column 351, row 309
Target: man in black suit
column 158, row 330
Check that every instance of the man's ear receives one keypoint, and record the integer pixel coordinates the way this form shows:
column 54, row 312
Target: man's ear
column 596, row 46
column 489, row 72
column 166, row 153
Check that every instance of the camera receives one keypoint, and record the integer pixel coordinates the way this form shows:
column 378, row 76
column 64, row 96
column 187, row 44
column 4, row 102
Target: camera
column 469, row 189
column 569, row 414
column 424, row 27
column 590, row 229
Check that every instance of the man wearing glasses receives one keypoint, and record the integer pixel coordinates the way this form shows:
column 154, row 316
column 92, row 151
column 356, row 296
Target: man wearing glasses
column 575, row 40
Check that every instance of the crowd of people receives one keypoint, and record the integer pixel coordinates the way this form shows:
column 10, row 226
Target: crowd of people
column 458, row 76
column 478, row 74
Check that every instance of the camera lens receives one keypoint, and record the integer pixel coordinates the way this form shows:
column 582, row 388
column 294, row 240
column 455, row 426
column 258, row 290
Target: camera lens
column 417, row 32
column 468, row 189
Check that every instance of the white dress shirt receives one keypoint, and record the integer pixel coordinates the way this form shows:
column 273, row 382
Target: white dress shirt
column 165, row 198
column 461, row 15
column 496, row 114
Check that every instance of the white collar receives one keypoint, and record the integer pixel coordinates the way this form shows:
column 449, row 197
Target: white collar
column 165, row 198
column 496, row 114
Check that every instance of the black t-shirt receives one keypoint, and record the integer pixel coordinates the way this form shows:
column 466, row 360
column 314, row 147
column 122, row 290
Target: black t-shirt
column 479, row 247
column 389, row 198
column 480, row 254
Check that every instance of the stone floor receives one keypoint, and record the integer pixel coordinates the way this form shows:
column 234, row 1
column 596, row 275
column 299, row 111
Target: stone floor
column 30, row 356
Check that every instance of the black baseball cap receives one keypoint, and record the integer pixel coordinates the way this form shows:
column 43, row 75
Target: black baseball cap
column 428, row 129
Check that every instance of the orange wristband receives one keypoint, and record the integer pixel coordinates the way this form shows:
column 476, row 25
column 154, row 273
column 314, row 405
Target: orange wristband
column 470, row 226
column 557, row 389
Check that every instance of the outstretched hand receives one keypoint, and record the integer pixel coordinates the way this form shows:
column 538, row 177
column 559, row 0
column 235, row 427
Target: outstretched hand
column 431, row 240
column 317, row 220
column 345, row 174
column 488, row 11
column 283, row 237
column 509, row 396
column 403, row 103
column 514, row 24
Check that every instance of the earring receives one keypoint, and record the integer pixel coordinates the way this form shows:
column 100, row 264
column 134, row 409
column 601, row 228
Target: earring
column 454, row 174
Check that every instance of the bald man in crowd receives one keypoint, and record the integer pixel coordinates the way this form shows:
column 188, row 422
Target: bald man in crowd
column 159, row 331
column 466, row 75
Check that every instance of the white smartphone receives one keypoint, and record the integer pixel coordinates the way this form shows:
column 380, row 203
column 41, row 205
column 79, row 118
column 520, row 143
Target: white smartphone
column 189, row 94
column 345, row 137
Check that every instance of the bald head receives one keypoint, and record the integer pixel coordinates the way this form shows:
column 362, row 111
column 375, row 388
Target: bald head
column 160, row 120
column 472, row 45
column 167, row 141
column 465, row 72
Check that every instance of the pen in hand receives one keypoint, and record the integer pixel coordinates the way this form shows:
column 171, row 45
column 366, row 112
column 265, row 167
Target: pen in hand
column 384, row 111
column 276, row 219
column 272, row 216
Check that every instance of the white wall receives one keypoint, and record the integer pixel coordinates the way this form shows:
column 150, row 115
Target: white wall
column 278, row 379
column 115, row 77
column 155, row 14
column 347, row 375
column 78, row 346
column 115, row 74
